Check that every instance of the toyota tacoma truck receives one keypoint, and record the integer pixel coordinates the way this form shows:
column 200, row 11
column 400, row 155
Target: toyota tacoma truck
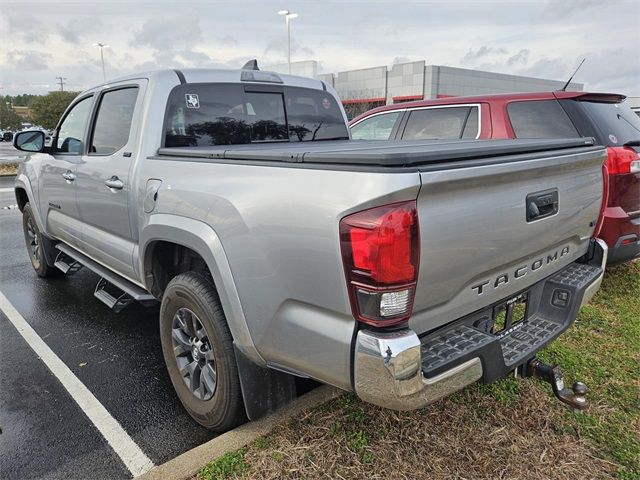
column 280, row 248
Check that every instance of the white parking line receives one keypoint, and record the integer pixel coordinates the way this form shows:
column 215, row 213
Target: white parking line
column 6, row 190
column 124, row 446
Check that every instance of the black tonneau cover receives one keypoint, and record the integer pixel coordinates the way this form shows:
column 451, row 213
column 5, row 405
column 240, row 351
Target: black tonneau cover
column 387, row 153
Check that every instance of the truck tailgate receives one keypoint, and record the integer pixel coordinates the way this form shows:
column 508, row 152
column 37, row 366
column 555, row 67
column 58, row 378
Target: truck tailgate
column 481, row 241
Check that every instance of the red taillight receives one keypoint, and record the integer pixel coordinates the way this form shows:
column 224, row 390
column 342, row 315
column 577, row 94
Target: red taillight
column 622, row 160
column 381, row 250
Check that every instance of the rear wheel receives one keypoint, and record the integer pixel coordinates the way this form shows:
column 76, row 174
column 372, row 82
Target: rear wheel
column 198, row 350
column 36, row 244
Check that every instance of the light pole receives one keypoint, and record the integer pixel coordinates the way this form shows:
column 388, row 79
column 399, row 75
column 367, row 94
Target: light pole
column 101, row 46
column 288, row 16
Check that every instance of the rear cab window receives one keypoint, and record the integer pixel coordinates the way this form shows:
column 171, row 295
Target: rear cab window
column 230, row 114
column 442, row 123
column 540, row 119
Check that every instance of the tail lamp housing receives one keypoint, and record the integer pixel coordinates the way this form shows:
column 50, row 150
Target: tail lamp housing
column 381, row 252
column 621, row 160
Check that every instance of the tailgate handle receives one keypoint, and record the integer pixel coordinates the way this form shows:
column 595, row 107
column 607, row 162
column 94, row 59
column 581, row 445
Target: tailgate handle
column 542, row 204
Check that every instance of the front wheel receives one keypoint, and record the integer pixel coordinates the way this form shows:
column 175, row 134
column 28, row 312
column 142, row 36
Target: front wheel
column 36, row 244
column 198, row 350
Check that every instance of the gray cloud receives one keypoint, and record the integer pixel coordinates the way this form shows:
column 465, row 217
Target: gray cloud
column 28, row 60
column 521, row 57
column 397, row 60
column 27, row 28
column 483, row 51
column 167, row 34
column 228, row 41
column 68, row 33
column 278, row 46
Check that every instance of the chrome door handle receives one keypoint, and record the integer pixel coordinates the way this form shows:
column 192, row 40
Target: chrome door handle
column 69, row 176
column 115, row 183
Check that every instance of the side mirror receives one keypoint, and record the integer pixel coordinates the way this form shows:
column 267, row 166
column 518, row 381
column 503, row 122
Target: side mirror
column 29, row 141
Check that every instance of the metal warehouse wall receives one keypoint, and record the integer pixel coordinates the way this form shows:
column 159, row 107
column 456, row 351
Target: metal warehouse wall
column 417, row 81
column 452, row 81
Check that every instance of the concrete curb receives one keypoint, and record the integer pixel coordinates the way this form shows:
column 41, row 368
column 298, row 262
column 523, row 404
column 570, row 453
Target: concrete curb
column 189, row 463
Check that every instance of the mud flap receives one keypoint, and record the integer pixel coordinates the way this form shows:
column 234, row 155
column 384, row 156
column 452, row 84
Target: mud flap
column 264, row 390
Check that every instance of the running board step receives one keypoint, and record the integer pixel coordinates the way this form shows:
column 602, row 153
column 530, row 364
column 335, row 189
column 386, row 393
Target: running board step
column 66, row 264
column 115, row 299
column 125, row 290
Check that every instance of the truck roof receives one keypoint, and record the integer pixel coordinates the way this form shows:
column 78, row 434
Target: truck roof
column 214, row 75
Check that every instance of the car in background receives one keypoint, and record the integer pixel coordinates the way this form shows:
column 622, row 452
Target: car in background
column 6, row 135
column 557, row 114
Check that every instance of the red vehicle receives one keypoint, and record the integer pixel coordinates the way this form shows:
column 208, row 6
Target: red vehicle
column 534, row 115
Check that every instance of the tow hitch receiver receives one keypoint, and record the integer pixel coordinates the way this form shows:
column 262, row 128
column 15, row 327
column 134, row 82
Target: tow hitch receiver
column 575, row 397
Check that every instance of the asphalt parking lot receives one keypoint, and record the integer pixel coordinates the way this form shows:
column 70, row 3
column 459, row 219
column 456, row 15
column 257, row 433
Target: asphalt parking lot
column 44, row 433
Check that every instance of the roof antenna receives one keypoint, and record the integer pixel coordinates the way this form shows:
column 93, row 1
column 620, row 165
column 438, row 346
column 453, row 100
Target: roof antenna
column 251, row 65
column 564, row 89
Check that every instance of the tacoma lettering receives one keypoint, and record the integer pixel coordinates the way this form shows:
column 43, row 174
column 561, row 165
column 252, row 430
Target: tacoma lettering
column 521, row 271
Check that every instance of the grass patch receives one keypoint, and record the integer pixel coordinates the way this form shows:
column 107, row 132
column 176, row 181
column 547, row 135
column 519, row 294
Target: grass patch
column 230, row 465
column 7, row 169
column 603, row 349
column 513, row 428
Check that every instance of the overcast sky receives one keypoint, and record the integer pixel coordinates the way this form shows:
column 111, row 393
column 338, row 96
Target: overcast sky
column 547, row 39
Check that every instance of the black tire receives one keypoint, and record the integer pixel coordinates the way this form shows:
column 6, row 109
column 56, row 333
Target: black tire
column 191, row 293
column 37, row 245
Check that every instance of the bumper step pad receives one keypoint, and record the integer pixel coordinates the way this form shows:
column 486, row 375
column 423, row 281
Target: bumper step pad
column 553, row 306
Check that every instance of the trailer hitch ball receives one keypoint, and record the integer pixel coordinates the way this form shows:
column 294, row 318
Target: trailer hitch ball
column 575, row 397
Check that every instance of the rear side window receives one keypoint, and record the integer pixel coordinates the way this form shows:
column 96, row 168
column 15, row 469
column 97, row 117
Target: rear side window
column 376, row 127
column 113, row 121
column 540, row 119
column 441, row 123
column 616, row 121
column 226, row 114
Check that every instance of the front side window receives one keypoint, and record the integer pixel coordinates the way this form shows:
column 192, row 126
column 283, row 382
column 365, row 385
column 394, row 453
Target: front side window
column 113, row 121
column 540, row 119
column 376, row 127
column 71, row 132
column 441, row 123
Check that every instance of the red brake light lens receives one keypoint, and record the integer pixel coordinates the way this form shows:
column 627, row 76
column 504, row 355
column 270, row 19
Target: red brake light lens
column 381, row 242
column 381, row 250
column 622, row 160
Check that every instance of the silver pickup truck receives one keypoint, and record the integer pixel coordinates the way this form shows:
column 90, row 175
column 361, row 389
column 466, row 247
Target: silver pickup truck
column 279, row 248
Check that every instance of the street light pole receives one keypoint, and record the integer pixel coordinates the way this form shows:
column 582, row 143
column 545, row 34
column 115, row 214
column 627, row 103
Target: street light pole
column 101, row 46
column 288, row 16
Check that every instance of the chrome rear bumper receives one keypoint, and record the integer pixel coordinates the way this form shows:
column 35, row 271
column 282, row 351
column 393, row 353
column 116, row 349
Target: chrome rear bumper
column 388, row 372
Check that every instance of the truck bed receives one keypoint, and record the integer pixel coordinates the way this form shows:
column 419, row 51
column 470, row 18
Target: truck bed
column 388, row 153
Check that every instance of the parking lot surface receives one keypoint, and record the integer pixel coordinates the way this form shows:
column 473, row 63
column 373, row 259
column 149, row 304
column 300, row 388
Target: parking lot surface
column 117, row 357
column 8, row 154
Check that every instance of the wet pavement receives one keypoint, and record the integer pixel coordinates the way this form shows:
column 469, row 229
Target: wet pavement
column 44, row 434
column 8, row 154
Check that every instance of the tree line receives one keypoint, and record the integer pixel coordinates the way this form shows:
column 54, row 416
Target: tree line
column 45, row 110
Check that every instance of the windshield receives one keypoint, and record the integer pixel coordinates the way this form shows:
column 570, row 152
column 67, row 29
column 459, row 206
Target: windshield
column 616, row 121
column 231, row 114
